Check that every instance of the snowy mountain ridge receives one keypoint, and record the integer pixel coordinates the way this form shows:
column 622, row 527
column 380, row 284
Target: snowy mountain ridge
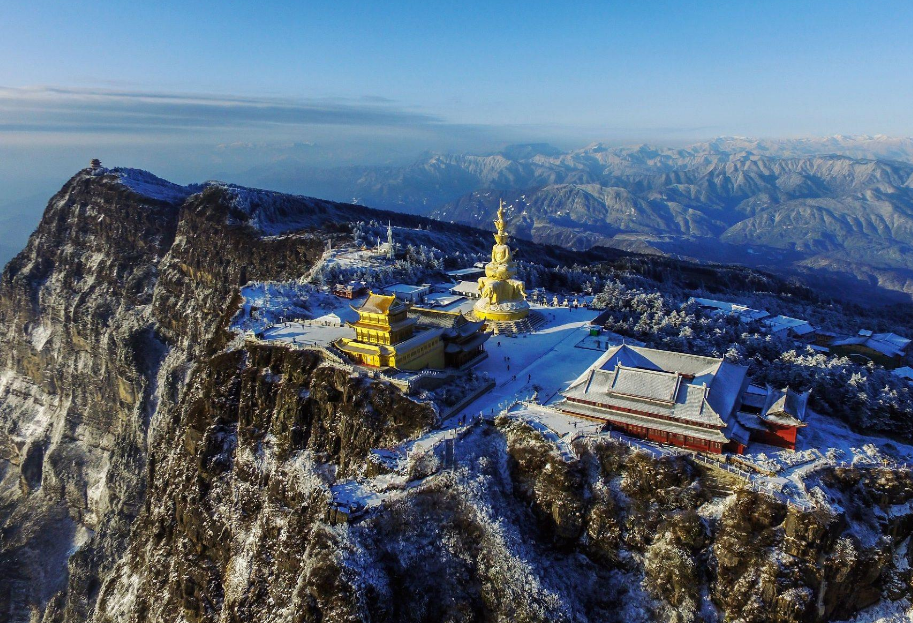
column 851, row 196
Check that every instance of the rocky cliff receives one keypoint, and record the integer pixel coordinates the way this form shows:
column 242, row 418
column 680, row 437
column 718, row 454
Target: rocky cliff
column 153, row 467
column 109, row 315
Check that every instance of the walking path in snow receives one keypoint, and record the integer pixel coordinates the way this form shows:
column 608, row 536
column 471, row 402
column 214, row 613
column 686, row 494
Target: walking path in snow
column 547, row 359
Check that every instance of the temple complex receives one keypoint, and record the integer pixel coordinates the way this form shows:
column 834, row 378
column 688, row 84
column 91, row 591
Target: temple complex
column 683, row 400
column 501, row 297
column 390, row 334
column 700, row 403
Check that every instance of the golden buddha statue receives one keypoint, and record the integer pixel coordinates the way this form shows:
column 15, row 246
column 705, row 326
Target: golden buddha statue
column 503, row 298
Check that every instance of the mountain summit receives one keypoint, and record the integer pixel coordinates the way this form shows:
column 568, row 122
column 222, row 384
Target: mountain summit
column 159, row 463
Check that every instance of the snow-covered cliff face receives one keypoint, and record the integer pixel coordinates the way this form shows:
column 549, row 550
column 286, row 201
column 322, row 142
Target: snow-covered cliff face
column 80, row 364
column 147, row 473
column 119, row 294
column 512, row 531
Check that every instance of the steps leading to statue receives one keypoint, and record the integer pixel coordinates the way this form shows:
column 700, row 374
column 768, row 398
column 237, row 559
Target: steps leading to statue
column 536, row 320
column 517, row 327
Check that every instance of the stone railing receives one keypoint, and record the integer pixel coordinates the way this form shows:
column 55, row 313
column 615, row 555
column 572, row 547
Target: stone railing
column 468, row 399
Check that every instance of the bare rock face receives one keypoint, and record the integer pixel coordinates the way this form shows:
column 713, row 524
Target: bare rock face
column 80, row 359
column 238, row 491
column 553, row 487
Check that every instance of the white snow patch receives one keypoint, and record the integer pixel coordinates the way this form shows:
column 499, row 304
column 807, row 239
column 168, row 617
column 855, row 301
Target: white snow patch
column 97, row 493
column 713, row 510
column 293, row 312
column 149, row 185
column 123, row 601
column 39, row 336
column 885, row 612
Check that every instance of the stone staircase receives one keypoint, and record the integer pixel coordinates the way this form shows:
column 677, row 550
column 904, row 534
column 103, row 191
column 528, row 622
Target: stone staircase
column 719, row 483
column 718, row 487
column 517, row 327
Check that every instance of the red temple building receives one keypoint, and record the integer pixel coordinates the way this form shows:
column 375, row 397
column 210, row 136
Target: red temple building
column 683, row 400
column 700, row 403
column 773, row 416
column 350, row 290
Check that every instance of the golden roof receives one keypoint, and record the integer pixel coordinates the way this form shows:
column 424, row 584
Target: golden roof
column 378, row 304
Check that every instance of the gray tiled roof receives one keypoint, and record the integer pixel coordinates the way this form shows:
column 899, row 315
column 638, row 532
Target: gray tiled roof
column 885, row 343
column 649, row 384
column 466, row 287
column 710, row 434
column 785, row 407
column 686, row 387
column 436, row 318
column 736, row 431
column 654, row 359
column 892, row 338
column 418, row 339
column 785, row 323
column 746, row 313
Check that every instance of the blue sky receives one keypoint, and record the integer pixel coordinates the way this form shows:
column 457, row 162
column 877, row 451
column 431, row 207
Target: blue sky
column 193, row 90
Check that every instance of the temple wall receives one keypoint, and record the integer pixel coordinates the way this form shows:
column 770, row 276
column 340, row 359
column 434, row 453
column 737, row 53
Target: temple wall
column 784, row 437
column 430, row 355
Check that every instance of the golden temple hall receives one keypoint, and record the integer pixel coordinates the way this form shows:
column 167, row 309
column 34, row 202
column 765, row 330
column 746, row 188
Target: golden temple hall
column 390, row 334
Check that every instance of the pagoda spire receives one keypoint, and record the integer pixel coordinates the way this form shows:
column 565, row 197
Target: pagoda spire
column 390, row 247
column 501, row 236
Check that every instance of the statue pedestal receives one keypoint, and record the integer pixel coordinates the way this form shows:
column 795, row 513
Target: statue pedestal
column 504, row 312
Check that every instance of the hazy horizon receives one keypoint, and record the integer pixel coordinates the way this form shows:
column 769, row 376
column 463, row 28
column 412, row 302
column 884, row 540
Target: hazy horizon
column 201, row 91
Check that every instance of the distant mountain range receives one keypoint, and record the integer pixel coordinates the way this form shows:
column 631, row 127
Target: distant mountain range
column 840, row 208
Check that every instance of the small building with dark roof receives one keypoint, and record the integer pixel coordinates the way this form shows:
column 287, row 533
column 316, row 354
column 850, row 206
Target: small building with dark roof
column 469, row 289
column 887, row 349
column 905, row 373
column 744, row 312
column 795, row 328
column 466, row 273
column 773, row 416
column 350, row 290
column 464, row 339
column 408, row 293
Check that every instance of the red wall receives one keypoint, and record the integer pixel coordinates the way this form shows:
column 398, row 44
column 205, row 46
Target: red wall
column 780, row 436
column 664, row 437
column 643, row 432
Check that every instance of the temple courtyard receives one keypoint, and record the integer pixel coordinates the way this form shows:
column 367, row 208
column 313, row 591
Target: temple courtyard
column 528, row 373
column 543, row 362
